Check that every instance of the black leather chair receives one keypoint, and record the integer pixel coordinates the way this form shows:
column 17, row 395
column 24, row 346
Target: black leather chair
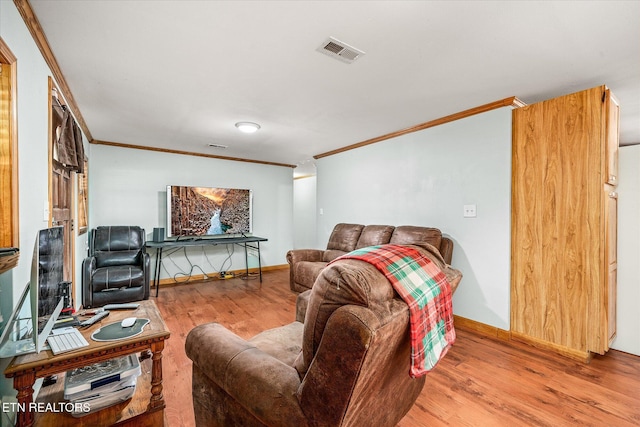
column 117, row 269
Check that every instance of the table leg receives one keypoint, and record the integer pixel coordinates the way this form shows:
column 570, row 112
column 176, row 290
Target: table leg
column 246, row 261
column 156, row 276
column 24, row 384
column 157, row 400
column 259, row 262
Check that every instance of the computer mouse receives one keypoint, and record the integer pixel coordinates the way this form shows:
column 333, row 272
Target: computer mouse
column 128, row 322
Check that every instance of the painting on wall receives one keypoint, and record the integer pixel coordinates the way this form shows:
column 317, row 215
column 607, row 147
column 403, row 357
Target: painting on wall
column 83, row 188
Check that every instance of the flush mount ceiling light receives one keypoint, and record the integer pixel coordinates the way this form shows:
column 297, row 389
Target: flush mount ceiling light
column 247, row 127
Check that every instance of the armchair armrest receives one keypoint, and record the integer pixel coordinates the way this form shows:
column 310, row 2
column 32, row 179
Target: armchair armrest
column 262, row 384
column 302, row 302
column 297, row 255
column 88, row 266
column 146, row 267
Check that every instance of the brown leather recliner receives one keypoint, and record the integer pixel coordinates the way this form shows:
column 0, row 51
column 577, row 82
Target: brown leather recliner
column 347, row 365
column 306, row 264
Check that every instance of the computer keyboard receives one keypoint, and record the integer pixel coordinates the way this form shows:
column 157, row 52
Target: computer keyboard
column 66, row 339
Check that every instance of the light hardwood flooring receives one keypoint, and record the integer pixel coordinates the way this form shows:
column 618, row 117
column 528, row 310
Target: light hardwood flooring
column 480, row 382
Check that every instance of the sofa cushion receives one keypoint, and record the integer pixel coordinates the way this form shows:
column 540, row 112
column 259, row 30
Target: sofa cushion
column 412, row 235
column 306, row 272
column 283, row 343
column 374, row 235
column 344, row 237
column 331, row 254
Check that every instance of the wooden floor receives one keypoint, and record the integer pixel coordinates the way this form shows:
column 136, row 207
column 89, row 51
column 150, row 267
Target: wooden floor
column 480, row 382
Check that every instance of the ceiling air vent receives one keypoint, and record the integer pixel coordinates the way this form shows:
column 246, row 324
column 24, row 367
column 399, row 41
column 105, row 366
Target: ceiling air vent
column 218, row 146
column 340, row 50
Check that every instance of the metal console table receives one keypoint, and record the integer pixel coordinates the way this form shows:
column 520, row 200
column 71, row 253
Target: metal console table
column 252, row 242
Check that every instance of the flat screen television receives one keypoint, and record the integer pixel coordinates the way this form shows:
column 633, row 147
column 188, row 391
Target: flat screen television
column 208, row 211
column 22, row 334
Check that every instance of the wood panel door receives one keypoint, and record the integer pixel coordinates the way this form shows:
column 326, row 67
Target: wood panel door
column 60, row 186
column 61, row 212
column 559, row 272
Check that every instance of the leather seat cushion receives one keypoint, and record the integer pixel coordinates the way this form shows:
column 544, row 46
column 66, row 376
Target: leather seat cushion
column 306, row 272
column 117, row 277
column 283, row 343
column 331, row 254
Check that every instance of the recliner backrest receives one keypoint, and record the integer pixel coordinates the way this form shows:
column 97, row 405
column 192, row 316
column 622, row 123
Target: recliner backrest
column 117, row 245
column 374, row 235
column 414, row 235
column 344, row 237
column 339, row 284
column 355, row 357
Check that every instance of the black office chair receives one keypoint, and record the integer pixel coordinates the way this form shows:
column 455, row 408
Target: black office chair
column 117, row 269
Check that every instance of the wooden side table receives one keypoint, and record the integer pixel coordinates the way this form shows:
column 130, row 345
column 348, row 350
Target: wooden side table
column 145, row 408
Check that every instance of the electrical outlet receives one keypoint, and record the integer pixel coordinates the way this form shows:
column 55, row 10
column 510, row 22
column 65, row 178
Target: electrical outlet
column 469, row 211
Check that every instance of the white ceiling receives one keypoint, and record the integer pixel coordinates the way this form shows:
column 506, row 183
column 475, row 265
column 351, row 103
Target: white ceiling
column 179, row 74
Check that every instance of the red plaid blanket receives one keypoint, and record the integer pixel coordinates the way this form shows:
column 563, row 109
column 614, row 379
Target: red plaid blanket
column 427, row 292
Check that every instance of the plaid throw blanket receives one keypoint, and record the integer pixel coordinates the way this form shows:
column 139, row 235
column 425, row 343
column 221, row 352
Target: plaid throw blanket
column 425, row 289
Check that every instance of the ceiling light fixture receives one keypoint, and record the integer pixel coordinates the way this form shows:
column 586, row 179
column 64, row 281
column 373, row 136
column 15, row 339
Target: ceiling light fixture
column 247, row 127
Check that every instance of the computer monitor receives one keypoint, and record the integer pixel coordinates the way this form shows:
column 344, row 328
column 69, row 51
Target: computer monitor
column 47, row 267
column 47, row 272
column 17, row 337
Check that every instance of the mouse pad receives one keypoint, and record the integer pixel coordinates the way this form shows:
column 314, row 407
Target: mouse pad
column 114, row 331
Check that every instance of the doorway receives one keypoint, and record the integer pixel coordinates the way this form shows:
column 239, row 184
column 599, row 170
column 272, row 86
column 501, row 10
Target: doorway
column 60, row 185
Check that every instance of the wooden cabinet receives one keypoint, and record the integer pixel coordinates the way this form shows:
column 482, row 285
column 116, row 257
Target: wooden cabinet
column 564, row 206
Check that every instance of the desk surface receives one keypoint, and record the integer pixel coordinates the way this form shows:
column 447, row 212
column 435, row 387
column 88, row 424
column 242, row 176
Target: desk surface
column 145, row 408
column 203, row 241
column 46, row 363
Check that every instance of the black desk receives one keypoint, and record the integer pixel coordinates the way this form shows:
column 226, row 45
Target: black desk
column 246, row 242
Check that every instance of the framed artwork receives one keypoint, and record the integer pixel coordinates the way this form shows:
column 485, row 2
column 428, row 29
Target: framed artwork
column 83, row 190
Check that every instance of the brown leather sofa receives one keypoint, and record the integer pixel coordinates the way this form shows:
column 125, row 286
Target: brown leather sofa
column 347, row 365
column 306, row 264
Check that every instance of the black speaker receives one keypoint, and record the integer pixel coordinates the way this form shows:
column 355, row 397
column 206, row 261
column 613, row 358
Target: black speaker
column 158, row 234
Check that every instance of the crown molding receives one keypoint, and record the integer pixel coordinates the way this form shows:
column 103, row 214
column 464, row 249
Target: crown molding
column 187, row 153
column 512, row 101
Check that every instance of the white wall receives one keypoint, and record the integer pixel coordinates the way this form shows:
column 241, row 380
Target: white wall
column 304, row 213
column 628, row 337
column 128, row 187
column 425, row 178
column 33, row 174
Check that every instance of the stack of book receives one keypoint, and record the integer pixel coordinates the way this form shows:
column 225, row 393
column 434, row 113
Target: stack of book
column 100, row 385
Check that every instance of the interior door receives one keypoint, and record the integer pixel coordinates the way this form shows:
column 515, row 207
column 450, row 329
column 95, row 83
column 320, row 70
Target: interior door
column 61, row 211
column 60, row 187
